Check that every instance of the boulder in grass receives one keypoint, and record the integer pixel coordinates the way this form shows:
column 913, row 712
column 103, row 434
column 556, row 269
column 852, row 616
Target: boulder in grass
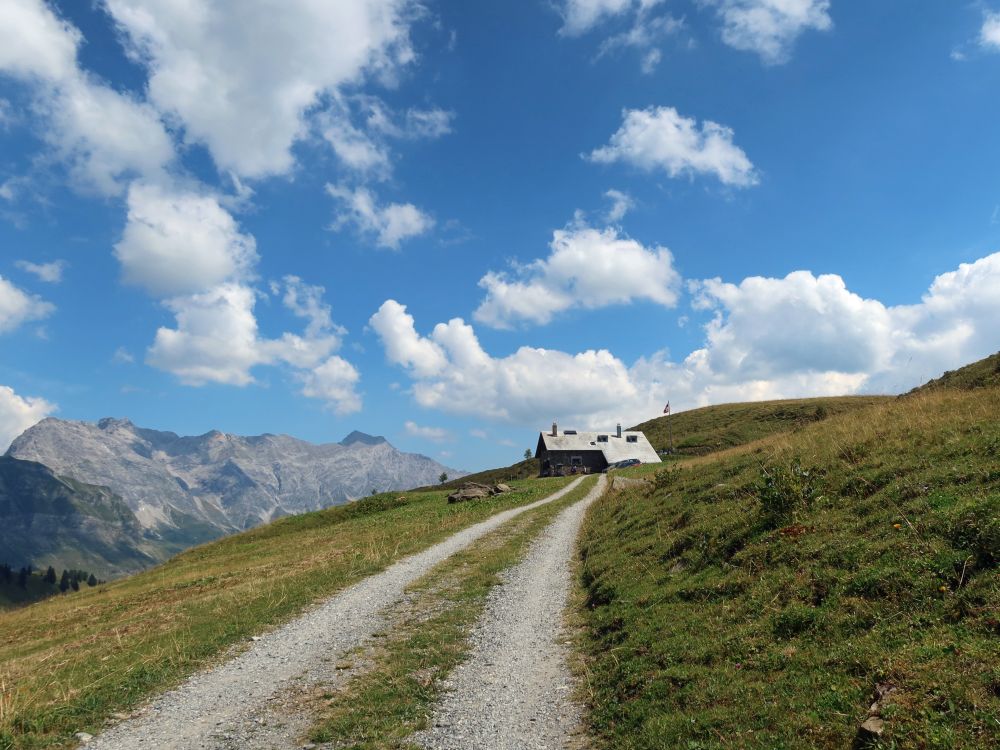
column 469, row 491
column 499, row 489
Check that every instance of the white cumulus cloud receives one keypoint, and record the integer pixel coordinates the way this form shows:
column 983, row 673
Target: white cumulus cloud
column 454, row 374
column 389, row 224
column 34, row 42
column 186, row 249
column 644, row 36
column 18, row 413
column 216, row 339
column 357, row 149
column 180, row 242
column 660, row 138
column 621, row 204
column 954, row 323
column 427, row 123
column 242, row 75
column 18, row 307
column 395, row 328
column 807, row 327
column 434, row 434
column 646, row 26
column 989, row 35
column 359, row 130
column 334, row 381
column 770, row 27
column 587, row 268
column 50, row 273
column 769, row 338
column 244, row 81
column 769, row 327
column 580, row 16
column 104, row 135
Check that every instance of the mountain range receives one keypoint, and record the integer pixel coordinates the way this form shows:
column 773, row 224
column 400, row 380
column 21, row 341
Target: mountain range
column 50, row 520
column 179, row 491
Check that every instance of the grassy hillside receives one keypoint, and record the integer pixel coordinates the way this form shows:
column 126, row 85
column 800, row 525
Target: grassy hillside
column 68, row 663
column 982, row 374
column 714, row 428
column 764, row 598
column 520, row 470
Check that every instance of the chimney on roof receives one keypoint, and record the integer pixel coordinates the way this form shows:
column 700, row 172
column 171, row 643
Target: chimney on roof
column 619, row 429
column 555, row 431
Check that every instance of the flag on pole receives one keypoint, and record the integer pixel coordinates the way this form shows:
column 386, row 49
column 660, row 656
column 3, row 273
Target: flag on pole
column 666, row 409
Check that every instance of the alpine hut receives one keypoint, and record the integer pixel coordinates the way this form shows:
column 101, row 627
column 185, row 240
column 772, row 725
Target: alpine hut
column 571, row 451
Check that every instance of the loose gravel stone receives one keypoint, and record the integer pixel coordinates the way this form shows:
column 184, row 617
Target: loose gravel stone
column 515, row 690
column 217, row 709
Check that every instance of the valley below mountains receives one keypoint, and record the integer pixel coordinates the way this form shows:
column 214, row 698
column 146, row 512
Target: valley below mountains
column 176, row 491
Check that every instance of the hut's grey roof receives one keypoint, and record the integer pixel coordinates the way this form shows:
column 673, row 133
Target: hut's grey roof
column 615, row 449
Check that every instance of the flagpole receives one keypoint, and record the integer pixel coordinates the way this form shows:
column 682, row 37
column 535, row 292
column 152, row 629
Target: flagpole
column 670, row 428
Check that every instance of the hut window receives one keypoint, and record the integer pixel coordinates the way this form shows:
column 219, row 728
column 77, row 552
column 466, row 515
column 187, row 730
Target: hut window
column 631, row 438
column 576, row 460
column 602, row 438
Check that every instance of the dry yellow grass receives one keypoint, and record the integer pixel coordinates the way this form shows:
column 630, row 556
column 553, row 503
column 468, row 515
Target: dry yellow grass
column 67, row 663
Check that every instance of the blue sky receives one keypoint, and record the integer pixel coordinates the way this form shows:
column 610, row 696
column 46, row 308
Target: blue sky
column 451, row 223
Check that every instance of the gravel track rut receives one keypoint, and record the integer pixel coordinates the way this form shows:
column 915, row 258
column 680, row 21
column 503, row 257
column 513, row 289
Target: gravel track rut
column 514, row 692
column 221, row 708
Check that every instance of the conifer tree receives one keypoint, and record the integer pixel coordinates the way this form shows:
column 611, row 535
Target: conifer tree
column 64, row 581
column 50, row 575
column 92, row 581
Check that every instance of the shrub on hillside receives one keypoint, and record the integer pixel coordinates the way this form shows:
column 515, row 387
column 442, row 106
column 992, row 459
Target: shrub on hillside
column 794, row 619
column 976, row 528
column 782, row 491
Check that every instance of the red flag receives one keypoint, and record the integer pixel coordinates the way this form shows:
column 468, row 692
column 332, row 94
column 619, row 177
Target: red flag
column 666, row 409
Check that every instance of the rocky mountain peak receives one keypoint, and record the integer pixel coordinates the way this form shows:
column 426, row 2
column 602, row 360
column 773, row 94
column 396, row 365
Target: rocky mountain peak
column 113, row 423
column 363, row 437
column 188, row 488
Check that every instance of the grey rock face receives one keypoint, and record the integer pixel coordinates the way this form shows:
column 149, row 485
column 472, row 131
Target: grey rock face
column 217, row 483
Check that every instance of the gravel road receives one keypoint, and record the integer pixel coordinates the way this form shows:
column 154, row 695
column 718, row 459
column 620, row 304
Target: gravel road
column 514, row 692
column 225, row 707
